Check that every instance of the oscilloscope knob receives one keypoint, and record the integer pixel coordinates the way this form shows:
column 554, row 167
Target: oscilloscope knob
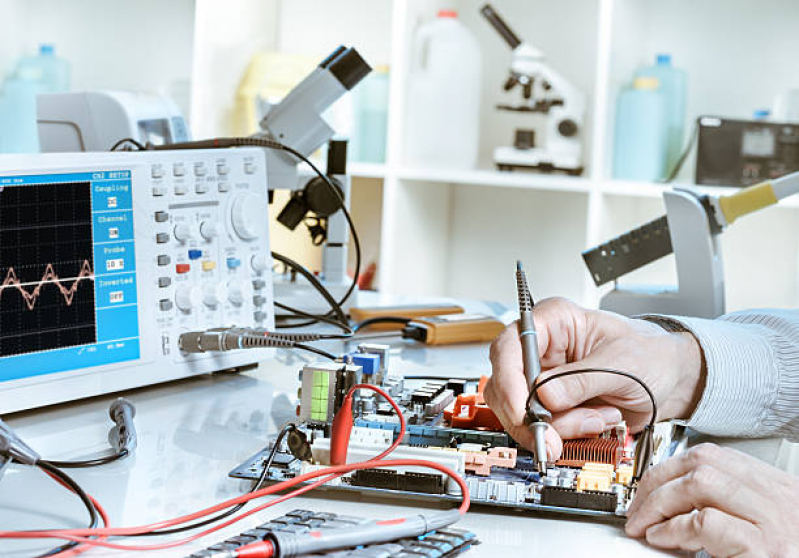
column 187, row 297
column 214, row 294
column 248, row 214
column 183, row 232
column 237, row 292
column 209, row 230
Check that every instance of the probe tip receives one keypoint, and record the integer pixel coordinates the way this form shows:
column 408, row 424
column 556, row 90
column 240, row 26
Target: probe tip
column 518, row 265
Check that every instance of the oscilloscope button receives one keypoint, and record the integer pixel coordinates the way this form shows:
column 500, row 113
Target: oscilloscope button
column 199, row 169
column 157, row 171
column 235, row 292
column 187, row 297
column 248, row 214
column 159, row 191
column 209, row 230
column 180, row 189
column 164, row 282
column 163, row 259
column 183, row 232
column 195, row 254
column 201, row 188
column 259, row 316
column 258, row 300
column 214, row 294
column 182, row 268
column 258, row 263
column 222, row 169
column 165, row 304
column 224, row 186
column 162, row 238
column 179, row 169
column 233, row 263
column 161, row 216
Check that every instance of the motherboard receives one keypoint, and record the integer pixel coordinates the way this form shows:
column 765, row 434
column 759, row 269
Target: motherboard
column 449, row 423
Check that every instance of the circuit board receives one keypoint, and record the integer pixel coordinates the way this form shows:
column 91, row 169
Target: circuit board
column 448, row 422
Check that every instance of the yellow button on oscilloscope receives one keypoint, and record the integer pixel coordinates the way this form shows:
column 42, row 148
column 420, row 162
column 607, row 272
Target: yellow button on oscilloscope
column 208, row 266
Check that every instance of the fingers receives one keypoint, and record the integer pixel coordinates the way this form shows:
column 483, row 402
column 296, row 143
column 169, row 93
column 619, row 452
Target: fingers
column 700, row 488
column 570, row 391
column 734, row 463
column 718, row 533
column 586, row 421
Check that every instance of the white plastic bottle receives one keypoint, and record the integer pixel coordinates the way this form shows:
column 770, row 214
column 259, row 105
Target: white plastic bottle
column 443, row 101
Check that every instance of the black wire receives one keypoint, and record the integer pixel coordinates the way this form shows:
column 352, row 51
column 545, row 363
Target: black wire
column 313, row 349
column 380, row 320
column 256, row 487
column 305, row 272
column 684, row 155
column 138, row 145
column 88, row 462
column 348, row 331
column 538, row 385
column 84, row 498
column 343, row 205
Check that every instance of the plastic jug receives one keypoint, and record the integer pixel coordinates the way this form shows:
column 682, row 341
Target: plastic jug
column 443, row 102
column 51, row 71
column 641, row 133
column 18, row 131
column 673, row 85
column 368, row 143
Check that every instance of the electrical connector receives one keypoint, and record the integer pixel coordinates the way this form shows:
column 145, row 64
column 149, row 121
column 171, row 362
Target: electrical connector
column 12, row 446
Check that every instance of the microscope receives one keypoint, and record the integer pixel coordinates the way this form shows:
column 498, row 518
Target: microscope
column 543, row 92
column 297, row 121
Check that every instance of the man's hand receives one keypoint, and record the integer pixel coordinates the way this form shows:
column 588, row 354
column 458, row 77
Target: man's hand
column 571, row 337
column 720, row 500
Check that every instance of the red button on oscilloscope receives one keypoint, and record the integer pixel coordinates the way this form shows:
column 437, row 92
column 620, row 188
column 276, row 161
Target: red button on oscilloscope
column 182, row 268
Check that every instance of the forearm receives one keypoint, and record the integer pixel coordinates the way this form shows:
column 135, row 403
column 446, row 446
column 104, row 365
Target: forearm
column 751, row 375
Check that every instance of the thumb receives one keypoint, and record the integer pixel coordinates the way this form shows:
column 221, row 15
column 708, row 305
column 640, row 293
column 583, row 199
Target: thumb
column 567, row 392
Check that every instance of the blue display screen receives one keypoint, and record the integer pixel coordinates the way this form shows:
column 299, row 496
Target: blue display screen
column 68, row 295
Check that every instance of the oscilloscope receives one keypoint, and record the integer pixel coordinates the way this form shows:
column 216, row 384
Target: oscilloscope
column 105, row 258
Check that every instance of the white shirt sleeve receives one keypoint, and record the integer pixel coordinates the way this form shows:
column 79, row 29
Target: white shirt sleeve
column 752, row 383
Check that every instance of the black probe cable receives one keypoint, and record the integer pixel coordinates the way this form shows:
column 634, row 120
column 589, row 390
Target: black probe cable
column 644, row 445
column 633, row 377
column 257, row 486
column 380, row 320
column 334, row 305
column 96, row 462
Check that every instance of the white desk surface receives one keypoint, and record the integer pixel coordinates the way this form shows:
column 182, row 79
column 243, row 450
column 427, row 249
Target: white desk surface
column 191, row 433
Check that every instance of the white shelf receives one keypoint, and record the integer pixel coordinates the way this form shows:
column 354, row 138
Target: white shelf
column 367, row 170
column 501, row 179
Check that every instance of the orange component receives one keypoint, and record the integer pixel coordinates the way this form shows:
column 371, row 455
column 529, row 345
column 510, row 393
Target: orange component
column 471, row 412
column 480, row 462
column 577, row 453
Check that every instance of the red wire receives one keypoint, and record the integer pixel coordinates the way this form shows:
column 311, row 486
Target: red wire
column 103, row 515
column 329, row 473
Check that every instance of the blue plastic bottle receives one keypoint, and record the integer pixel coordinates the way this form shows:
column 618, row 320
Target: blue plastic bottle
column 640, row 137
column 52, row 71
column 673, row 85
column 18, row 132
column 368, row 143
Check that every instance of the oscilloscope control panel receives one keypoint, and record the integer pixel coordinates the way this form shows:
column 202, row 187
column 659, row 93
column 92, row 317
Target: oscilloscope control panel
column 106, row 258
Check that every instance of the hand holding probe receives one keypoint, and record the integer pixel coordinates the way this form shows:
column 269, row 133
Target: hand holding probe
column 537, row 414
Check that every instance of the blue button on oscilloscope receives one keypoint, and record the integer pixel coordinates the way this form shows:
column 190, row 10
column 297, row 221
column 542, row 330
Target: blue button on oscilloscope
column 195, row 254
column 233, row 263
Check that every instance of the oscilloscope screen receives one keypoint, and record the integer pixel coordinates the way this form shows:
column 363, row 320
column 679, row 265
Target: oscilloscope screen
column 47, row 294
